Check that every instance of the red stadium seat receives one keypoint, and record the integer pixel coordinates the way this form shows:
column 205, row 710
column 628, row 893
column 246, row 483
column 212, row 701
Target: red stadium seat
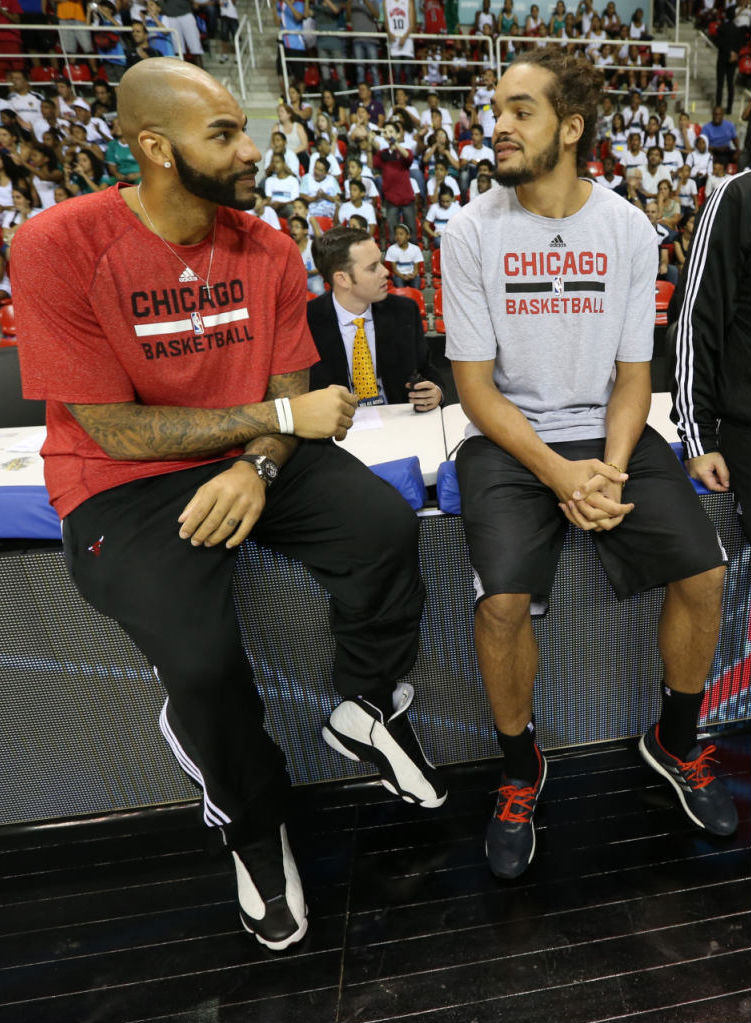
column 440, row 326
column 416, row 296
column 7, row 323
column 40, row 73
column 595, row 167
column 434, row 266
column 663, row 293
column 78, row 73
column 325, row 223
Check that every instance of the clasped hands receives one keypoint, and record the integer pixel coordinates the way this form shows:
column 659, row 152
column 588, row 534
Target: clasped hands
column 589, row 493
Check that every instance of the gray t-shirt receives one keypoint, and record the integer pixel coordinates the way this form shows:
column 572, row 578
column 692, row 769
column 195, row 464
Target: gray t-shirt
column 554, row 302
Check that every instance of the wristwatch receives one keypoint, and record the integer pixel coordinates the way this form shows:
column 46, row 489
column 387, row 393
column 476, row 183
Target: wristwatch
column 266, row 467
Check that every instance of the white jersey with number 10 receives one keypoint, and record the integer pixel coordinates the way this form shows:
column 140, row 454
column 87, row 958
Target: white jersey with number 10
column 398, row 21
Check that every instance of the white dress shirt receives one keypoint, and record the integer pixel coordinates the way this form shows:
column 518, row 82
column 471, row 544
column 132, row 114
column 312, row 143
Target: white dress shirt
column 348, row 329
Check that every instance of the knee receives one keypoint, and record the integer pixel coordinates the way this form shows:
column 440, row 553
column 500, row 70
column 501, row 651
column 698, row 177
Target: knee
column 205, row 671
column 703, row 592
column 503, row 614
column 396, row 527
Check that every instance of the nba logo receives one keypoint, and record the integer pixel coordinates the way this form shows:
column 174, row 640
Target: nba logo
column 558, row 286
column 197, row 322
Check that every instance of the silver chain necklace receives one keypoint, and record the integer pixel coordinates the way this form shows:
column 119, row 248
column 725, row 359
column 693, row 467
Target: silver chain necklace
column 206, row 288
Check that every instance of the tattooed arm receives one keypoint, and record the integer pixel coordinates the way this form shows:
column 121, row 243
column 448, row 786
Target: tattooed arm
column 225, row 509
column 129, row 431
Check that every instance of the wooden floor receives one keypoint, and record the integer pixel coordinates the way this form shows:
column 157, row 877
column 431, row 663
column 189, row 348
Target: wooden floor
column 627, row 913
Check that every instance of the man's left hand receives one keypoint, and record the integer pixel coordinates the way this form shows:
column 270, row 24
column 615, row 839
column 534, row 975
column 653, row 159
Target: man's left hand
column 225, row 508
column 425, row 396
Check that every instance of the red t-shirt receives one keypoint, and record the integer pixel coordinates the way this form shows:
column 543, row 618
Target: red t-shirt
column 106, row 313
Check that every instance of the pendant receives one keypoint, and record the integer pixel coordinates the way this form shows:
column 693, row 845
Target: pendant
column 206, row 289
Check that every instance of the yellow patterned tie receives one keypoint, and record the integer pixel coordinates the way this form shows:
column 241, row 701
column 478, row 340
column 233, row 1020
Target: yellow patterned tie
column 363, row 374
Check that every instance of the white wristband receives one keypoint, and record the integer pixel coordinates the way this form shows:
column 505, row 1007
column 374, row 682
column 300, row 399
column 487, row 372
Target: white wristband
column 284, row 415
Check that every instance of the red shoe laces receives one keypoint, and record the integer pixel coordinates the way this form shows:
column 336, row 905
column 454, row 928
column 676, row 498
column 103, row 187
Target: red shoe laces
column 698, row 772
column 513, row 796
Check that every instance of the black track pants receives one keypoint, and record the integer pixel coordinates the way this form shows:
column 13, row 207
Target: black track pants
column 353, row 531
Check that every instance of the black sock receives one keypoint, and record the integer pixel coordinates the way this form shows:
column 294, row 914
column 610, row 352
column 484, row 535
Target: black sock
column 519, row 756
column 383, row 699
column 680, row 713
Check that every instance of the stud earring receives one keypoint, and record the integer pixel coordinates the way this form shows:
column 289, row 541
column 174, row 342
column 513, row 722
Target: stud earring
column 167, row 163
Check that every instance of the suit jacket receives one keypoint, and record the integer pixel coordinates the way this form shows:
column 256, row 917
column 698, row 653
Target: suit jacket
column 401, row 348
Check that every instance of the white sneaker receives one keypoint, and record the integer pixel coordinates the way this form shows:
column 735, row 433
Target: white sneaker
column 272, row 903
column 357, row 730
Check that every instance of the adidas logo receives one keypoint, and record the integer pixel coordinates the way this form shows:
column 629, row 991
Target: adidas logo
column 186, row 275
column 557, row 243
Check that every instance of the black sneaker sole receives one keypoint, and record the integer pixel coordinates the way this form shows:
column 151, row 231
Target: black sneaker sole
column 361, row 752
column 276, row 946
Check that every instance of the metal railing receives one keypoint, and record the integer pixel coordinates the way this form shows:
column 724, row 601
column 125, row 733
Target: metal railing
column 678, row 52
column 65, row 31
column 290, row 59
column 244, row 51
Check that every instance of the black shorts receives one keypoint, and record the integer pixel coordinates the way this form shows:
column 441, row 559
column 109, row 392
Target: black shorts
column 515, row 529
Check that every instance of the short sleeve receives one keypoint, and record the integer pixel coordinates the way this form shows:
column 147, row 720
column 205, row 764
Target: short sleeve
column 637, row 336
column 63, row 348
column 470, row 336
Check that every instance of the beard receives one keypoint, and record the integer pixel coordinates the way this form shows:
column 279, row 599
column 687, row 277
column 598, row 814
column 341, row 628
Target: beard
column 222, row 191
column 544, row 163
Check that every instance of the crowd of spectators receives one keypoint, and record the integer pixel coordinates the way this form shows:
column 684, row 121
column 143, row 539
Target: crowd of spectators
column 615, row 45
column 399, row 170
column 87, row 40
column 402, row 173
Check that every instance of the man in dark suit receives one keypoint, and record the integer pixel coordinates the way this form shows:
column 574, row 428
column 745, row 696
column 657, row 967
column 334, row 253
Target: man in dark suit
column 350, row 262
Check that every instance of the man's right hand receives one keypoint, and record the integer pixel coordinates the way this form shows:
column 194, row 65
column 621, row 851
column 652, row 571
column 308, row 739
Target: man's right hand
column 326, row 413
column 711, row 470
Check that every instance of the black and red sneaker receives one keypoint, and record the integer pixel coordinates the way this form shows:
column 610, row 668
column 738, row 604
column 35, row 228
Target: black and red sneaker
column 704, row 798
column 510, row 838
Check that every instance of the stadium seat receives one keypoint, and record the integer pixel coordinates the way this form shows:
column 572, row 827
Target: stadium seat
column 663, row 293
column 7, row 323
column 41, row 73
column 417, row 297
column 434, row 266
column 77, row 72
column 440, row 326
column 312, row 76
column 325, row 223
column 594, row 167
